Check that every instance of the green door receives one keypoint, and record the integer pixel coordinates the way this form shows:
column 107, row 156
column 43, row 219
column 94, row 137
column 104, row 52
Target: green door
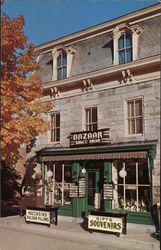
column 92, row 187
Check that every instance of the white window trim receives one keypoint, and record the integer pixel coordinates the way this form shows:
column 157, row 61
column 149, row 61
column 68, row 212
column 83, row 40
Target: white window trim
column 84, row 116
column 135, row 31
column 56, row 52
column 49, row 131
column 125, row 117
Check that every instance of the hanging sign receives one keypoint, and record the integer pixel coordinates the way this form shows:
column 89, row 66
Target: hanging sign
column 108, row 191
column 73, row 190
column 97, row 200
column 89, row 138
column 82, row 187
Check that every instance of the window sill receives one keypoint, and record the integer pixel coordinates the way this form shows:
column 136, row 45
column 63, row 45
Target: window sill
column 135, row 135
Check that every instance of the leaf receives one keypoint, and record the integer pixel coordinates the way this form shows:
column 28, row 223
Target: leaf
column 22, row 108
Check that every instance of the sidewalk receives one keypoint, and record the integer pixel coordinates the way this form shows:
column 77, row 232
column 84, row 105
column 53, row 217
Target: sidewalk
column 137, row 238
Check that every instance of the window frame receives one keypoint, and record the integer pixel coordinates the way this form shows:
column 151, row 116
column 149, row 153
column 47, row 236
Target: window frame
column 118, row 31
column 134, row 118
column 55, row 187
column 53, row 129
column 135, row 186
column 88, row 120
column 62, row 66
column 127, row 119
column 125, row 48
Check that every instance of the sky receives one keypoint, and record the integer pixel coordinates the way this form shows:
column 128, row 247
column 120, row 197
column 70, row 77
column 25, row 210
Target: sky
column 47, row 20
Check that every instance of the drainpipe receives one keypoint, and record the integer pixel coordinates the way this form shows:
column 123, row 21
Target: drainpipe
column 43, row 183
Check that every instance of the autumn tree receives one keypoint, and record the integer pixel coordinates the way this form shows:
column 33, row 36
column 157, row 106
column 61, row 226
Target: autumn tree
column 21, row 90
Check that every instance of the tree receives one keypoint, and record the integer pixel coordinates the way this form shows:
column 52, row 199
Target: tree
column 9, row 182
column 21, row 90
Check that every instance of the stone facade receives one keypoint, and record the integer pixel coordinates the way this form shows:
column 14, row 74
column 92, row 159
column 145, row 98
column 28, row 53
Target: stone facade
column 95, row 81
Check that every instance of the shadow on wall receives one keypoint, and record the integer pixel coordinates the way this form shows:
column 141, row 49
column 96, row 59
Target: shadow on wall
column 9, row 182
column 31, row 164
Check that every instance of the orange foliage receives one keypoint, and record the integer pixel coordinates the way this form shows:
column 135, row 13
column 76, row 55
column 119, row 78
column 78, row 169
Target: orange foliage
column 21, row 90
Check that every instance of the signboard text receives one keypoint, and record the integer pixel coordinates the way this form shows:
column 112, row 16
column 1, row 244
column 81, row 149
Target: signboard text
column 111, row 224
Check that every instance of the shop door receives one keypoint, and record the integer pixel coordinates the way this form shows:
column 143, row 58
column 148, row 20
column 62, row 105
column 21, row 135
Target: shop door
column 93, row 188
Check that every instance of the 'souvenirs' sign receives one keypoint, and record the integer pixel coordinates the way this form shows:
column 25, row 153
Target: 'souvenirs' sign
column 38, row 216
column 104, row 223
column 78, row 139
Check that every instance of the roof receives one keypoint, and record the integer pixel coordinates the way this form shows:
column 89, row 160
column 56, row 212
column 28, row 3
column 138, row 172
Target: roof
column 132, row 18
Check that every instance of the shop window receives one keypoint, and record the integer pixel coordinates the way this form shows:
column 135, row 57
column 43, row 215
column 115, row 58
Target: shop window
column 55, row 127
column 125, row 48
column 62, row 66
column 91, row 122
column 135, row 116
column 132, row 190
column 58, row 184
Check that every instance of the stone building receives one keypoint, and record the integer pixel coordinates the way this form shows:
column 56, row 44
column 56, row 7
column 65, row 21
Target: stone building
column 103, row 149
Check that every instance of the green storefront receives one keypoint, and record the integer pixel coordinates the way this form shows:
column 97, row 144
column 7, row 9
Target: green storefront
column 103, row 178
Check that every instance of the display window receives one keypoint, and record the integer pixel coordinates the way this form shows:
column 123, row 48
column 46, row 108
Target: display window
column 131, row 185
column 57, row 184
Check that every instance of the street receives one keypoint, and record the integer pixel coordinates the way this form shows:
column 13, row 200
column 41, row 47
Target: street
column 15, row 240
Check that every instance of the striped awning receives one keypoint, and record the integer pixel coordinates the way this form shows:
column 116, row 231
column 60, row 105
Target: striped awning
column 96, row 156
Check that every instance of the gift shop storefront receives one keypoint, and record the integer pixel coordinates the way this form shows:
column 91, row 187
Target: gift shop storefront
column 99, row 178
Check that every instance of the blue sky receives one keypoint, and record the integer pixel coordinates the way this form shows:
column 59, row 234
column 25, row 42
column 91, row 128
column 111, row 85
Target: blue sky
column 47, row 20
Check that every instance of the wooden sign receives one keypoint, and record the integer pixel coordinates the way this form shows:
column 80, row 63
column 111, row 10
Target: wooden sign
column 108, row 191
column 38, row 216
column 105, row 223
column 89, row 138
column 82, row 187
column 73, row 190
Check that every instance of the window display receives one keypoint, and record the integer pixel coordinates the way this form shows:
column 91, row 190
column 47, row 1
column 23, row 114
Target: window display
column 132, row 190
column 57, row 188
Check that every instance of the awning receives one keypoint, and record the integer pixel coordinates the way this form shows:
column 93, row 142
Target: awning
column 96, row 156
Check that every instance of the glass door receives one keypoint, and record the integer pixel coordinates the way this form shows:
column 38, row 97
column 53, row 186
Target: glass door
column 93, row 188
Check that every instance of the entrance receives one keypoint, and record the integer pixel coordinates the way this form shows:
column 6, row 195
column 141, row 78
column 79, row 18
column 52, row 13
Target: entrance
column 93, row 188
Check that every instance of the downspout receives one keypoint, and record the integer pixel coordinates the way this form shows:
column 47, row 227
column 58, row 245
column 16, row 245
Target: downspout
column 43, row 182
column 150, row 180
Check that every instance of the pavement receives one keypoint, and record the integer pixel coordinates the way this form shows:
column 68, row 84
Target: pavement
column 138, row 237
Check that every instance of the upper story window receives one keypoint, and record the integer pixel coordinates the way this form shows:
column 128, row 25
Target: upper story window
column 126, row 43
column 62, row 66
column 135, row 116
column 55, row 127
column 125, row 48
column 91, row 121
column 62, row 62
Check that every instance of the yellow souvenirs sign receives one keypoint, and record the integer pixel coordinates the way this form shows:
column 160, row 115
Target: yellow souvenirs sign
column 105, row 223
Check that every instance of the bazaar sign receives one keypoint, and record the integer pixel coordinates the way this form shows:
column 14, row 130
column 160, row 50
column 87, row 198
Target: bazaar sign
column 85, row 138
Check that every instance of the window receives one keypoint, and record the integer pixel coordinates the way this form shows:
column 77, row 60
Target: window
column 91, row 119
column 125, row 48
column 55, row 127
column 132, row 192
column 126, row 43
column 62, row 66
column 134, row 116
column 57, row 188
